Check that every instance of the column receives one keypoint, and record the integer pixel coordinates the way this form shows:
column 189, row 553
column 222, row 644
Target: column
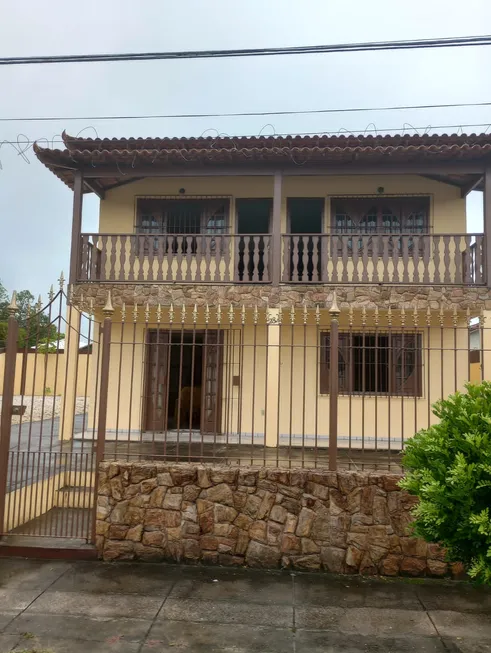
column 273, row 372
column 76, row 225
column 487, row 224
column 69, row 389
column 275, row 254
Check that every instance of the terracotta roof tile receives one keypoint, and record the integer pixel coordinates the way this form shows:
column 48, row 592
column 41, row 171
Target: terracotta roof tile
column 320, row 151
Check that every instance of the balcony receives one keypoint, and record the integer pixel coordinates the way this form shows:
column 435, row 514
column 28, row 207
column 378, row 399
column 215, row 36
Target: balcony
column 429, row 259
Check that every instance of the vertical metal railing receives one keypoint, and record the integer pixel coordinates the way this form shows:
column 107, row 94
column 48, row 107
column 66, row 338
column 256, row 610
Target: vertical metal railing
column 49, row 397
column 291, row 385
column 7, row 403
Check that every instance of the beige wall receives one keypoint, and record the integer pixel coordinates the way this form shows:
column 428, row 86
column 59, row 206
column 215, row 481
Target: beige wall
column 279, row 392
column 45, row 374
column 117, row 212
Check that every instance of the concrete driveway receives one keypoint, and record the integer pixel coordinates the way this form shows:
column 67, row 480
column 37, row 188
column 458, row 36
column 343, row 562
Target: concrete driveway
column 60, row 607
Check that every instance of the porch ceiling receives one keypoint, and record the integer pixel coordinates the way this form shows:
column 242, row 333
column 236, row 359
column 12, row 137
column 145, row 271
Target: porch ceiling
column 113, row 162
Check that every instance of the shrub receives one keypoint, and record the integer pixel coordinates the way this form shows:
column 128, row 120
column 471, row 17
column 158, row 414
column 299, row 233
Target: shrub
column 449, row 470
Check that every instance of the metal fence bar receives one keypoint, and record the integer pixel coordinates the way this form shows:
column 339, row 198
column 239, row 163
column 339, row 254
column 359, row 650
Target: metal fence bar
column 283, row 386
column 7, row 404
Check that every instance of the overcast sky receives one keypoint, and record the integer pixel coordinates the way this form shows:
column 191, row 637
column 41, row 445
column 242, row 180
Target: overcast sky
column 35, row 207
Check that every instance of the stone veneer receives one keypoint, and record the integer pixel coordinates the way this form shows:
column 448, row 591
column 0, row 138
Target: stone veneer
column 357, row 296
column 344, row 522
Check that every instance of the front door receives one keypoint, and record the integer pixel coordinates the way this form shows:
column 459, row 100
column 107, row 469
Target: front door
column 211, row 401
column 183, row 380
column 156, row 391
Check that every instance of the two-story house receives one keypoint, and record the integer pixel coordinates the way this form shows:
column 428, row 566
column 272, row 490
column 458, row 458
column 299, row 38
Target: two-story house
column 223, row 257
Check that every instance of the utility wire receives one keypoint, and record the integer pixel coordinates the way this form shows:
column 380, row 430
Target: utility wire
column 255, row 52
column 350, row 132
column 248, row 113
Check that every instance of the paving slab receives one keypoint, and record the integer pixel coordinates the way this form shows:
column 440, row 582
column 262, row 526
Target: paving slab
column 458, row 596
column 118, row 578
column 364, row 621
column 354, row 591
column 96, row 629
column 62, row 645
column 128, row 607
column 218, row 638
column 6, row 617
column 22, row 574
column 7, row 642
column 15, row 600
column 94, row 605
column 463, row 645
column 327, row 642
column 229, row 586
column 466, row 625
column 233, row 612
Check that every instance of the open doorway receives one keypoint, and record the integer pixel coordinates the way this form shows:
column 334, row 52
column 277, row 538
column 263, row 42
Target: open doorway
column 183, row 380
column 253, row 222
column 305, row 218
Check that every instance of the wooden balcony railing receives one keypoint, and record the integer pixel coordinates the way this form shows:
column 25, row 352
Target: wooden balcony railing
column 430, row 259
column 175, row 258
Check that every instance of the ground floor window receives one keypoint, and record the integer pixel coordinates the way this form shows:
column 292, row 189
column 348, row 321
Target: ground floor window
column 375, row 363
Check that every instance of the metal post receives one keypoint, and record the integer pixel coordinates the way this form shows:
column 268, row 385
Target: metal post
column 7, row 403
column 487, row 225
column 105, row 340
column 275, row 258
column 76, row 226
column 333, row 384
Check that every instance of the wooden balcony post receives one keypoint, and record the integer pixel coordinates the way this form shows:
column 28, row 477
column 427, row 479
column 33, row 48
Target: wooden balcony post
column 76, row 226
column 275, row 258
column 487, row 225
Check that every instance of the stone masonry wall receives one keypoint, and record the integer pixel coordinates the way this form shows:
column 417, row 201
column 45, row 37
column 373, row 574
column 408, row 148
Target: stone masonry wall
column 342, row 522
column 357, row 296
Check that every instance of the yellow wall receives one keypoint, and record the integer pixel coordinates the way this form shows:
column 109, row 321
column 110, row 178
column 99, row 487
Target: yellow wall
column 45, row 374
column 118, row 215
column 279, row 394
column 117, row 212
column 475, row 373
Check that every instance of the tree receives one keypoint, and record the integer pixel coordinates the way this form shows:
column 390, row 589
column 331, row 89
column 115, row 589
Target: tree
column 448, row 467
column 35, row 329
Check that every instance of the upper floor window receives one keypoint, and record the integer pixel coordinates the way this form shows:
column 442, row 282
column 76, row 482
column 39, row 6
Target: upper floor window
column 186, row 216
column 383, row 215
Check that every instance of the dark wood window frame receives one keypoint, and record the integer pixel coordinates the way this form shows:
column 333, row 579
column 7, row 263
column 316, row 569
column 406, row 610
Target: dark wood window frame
column 376, row 216
column 156, row 205
column 375, row 363
column 365, row 214
column 154, row 218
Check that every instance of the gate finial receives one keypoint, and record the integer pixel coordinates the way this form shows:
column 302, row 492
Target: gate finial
column 12, row 308
column 334, row 310
column 108, row 309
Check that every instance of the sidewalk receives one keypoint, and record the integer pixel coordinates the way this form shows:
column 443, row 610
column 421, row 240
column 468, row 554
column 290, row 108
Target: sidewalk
column 61, row 607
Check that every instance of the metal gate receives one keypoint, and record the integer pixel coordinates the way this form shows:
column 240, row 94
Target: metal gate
column 48, row 457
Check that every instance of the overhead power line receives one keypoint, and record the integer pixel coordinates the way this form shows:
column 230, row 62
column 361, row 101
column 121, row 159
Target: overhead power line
column 247, row 113
column 255, row 52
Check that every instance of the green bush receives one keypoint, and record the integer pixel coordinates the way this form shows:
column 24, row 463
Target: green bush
column 21, row 340
column 448, row 467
